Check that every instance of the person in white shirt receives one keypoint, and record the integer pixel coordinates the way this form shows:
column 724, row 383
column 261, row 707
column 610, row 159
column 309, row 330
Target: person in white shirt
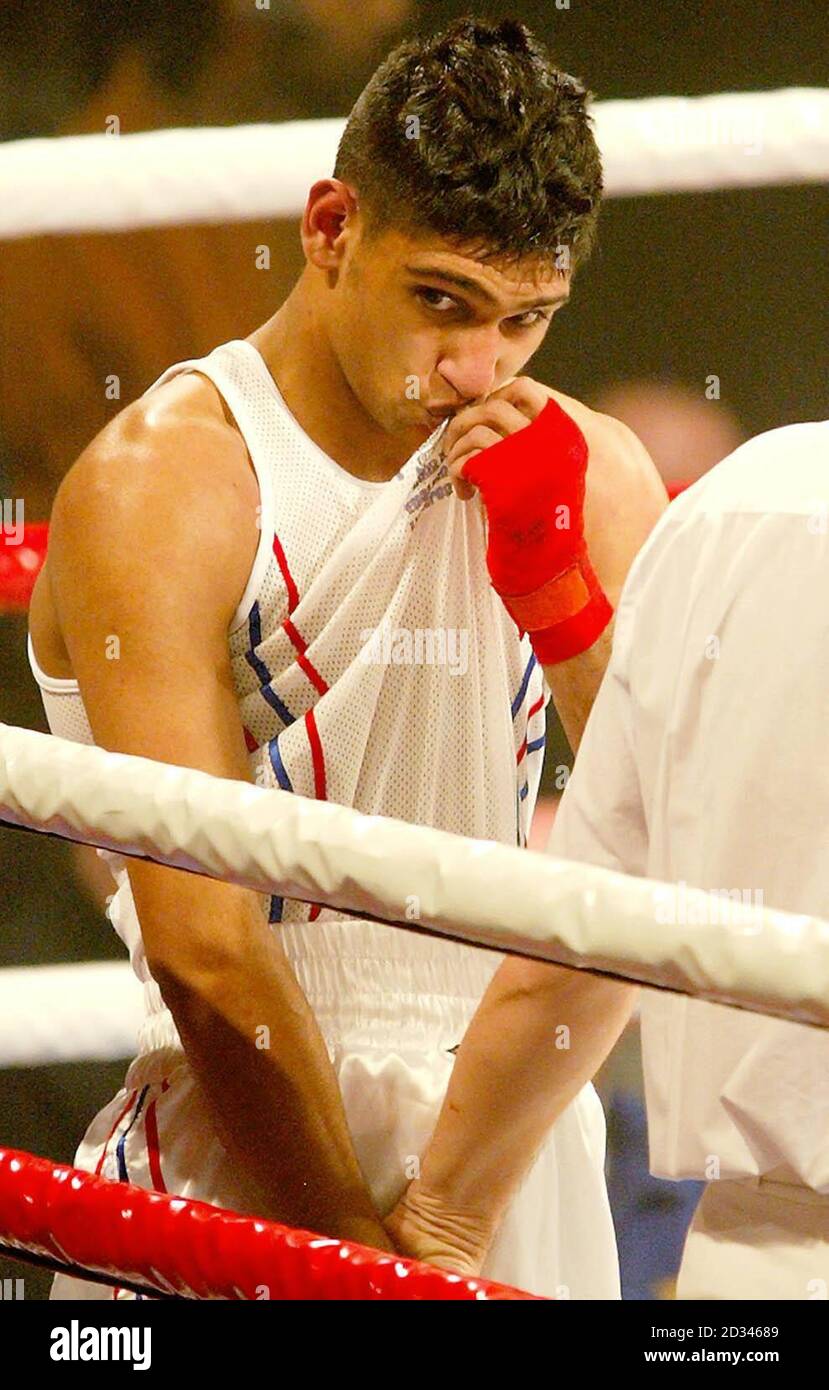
column 703, row 763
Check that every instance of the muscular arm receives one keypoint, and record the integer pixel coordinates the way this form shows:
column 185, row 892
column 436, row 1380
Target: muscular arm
column 539, row 1034
column 512, row 1076
column 153, row 535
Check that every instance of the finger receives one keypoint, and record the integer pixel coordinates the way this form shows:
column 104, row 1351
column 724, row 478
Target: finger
column 473, row 443
column 503, row 415
column 526, row 395
column 481, row 414
column 481, row 437
column 462, row 488
column 465, row 419
column 497, row 412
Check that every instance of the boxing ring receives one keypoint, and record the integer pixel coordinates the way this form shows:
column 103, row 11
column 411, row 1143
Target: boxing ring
column 274, row 842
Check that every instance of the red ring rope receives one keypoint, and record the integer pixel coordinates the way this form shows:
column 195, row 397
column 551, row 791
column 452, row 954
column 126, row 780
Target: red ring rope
column 20, row 563
column 74, row 1220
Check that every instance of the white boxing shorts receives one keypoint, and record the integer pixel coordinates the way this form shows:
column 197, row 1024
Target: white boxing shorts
column 391, row 1006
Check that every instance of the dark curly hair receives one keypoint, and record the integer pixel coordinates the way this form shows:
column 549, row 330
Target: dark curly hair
column 501, row 156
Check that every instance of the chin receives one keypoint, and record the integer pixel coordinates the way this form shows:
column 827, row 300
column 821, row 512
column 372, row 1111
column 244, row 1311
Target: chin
column 407, row 425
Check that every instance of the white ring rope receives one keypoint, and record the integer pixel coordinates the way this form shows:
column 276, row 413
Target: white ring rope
column 477, row 890
column 102, row 182
column 69, row 1013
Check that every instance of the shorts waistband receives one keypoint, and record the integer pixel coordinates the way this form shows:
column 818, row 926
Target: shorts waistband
column 369, row 985
column 386, row 986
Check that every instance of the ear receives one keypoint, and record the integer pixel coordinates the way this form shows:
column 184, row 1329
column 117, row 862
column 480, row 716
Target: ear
column 330, row 211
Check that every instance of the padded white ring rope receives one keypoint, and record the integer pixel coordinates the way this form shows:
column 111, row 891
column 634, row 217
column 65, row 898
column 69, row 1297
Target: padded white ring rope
column 108, row 182
column 275, row 842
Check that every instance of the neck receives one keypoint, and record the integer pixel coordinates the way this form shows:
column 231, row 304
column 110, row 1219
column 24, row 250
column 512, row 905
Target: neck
column 301, row 361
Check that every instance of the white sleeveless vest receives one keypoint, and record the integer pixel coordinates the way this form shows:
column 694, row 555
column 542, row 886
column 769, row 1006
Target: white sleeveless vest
column 375, row 667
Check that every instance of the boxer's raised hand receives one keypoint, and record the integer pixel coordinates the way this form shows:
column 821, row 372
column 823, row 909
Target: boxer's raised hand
column 528, row 459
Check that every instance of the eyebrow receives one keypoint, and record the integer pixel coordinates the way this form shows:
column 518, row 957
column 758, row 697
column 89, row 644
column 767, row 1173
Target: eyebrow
column 464, row 283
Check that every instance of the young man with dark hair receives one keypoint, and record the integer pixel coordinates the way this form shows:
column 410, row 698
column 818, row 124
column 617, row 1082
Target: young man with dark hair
column 266, row 531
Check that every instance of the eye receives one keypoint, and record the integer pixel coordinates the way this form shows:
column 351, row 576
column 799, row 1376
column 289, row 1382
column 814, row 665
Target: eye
column 423, row 291
column 443, row 303
column 535, row 317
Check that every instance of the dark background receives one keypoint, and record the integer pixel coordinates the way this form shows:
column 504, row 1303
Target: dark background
column 732, row 283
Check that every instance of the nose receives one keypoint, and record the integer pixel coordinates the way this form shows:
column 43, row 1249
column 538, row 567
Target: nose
column 470, row 367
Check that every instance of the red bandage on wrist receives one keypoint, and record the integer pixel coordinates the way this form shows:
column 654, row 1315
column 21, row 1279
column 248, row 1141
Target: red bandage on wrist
column 532, row 485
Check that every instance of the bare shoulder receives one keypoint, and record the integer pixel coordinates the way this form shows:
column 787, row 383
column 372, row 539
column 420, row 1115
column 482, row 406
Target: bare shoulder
column 179, row 440
column 168, row 480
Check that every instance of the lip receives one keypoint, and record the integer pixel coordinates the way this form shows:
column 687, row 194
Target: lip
column 441, row 414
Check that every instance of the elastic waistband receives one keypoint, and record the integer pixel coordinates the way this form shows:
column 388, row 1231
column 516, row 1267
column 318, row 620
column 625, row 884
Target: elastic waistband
column 383, row 986
column 369, row 985
column 164, row 1063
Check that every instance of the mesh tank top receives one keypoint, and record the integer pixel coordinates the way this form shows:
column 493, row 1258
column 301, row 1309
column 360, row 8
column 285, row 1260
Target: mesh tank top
column 375, row 667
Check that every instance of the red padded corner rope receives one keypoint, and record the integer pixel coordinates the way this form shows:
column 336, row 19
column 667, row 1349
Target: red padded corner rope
column 196, row 1250
column 21, row 560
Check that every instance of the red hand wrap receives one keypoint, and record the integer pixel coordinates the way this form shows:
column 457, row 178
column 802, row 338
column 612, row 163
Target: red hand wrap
column 532, row 485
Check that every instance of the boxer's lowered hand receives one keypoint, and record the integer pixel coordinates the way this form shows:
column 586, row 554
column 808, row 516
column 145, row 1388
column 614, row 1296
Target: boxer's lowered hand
column 424, row 1227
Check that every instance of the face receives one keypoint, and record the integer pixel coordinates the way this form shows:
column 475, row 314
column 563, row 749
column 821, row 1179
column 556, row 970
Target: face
column 417, row 326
